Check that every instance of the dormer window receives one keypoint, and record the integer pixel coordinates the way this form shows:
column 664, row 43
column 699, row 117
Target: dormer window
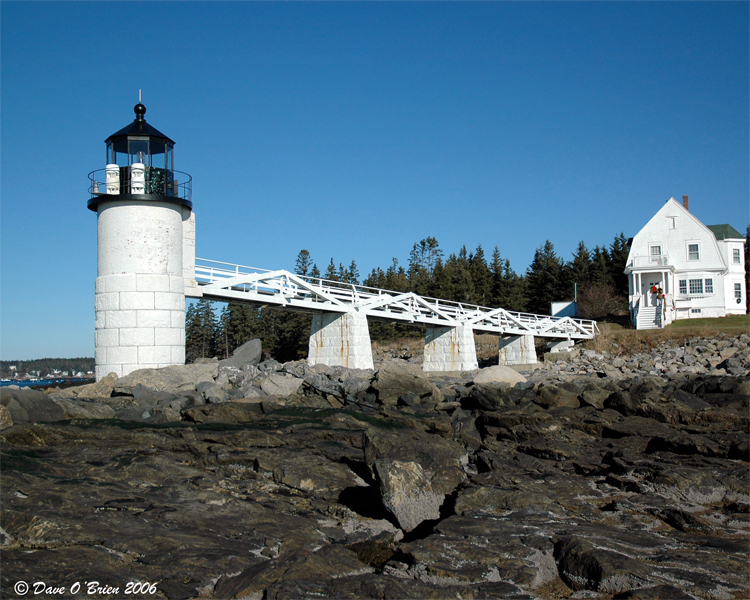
column 693, row 252
column 655, row 254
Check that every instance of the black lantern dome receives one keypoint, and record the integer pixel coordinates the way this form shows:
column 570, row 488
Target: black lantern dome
column 140, row 166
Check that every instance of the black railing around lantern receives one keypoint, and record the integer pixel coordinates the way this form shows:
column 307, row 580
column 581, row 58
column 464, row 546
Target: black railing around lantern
column 175, row 185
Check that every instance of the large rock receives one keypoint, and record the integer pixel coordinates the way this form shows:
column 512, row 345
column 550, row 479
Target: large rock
column 584, row 567
column 82, row 409
column 406, row 492
column 30, row 406
column 409, row 461
column 280, row 384
column 101, row 389
column 398, row 378
column 175, row 378
column 499, row 374
column 249, row 353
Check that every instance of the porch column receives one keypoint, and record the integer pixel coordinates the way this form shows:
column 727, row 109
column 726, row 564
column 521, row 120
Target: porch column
column 517, row 350
column 449, row 349
column 340, row 340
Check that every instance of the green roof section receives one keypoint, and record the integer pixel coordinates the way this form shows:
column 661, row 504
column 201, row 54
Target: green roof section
column 724, row 232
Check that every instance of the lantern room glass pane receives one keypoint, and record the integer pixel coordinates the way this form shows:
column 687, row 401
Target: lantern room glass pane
column 158, row 156
column 117, row 153
column 138, row 150
column 170, row 158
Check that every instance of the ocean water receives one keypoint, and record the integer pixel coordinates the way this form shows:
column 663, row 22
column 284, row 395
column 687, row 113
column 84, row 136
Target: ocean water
column 43, row 382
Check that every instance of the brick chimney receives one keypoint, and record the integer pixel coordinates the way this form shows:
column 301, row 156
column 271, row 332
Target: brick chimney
column 685, row 202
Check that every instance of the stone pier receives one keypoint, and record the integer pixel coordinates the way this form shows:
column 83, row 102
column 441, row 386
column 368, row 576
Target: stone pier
column 517, row 350
column 340, row 340
column 449, row 349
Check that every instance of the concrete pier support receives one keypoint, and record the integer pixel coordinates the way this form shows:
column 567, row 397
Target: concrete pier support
column 449, row 349
column 517, row 350
column 340, row 340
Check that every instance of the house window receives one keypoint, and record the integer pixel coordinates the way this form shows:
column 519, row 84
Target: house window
column 656, row 254
column 693, row 253
column 738, row 291
column 672, row 222
column 683, row 286
column 695, row 311
column 709, row 286
column 696, row 286
column 736, row 256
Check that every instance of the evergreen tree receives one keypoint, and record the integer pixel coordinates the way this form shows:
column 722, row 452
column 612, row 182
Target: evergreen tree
column 303, row 264
column 618, row 258
column 331, row 273
column 481, row 278
column 423, row 258
column 515, row 285
column 508, row 289
column 600, row 270
column 544, row 279
column 460, row 277
column 353, row 273
column 201, row 331
column 578, row 271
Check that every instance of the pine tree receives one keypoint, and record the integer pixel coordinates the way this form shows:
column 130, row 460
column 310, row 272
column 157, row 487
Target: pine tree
column 461, row 282
column 353, row 273
column 201, row 329
column 331, row 273
column 481, row 278
column 578, row 270
column 618, row 258
column 600, row 272
column 303, row 264
column 544, row 279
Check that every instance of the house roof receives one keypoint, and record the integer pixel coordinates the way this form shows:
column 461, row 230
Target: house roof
column 724, row 232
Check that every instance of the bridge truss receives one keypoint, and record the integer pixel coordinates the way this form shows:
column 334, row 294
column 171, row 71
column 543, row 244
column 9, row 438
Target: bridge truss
column 240, row 284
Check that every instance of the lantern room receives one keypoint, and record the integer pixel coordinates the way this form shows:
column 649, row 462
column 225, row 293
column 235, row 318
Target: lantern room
column 140, row 166
column 140, row 143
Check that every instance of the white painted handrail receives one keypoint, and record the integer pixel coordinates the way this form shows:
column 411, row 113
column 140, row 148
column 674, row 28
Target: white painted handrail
column 238, row 283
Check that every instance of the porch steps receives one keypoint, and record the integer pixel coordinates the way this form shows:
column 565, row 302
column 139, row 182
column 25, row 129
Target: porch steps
column 648, row 318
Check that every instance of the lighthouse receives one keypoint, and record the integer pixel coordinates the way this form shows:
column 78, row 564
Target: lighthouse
column 145, row 251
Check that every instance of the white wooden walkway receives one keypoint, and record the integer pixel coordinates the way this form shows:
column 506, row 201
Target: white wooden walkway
column 236, row 283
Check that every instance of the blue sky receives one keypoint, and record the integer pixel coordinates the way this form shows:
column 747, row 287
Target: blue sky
column 354, row 130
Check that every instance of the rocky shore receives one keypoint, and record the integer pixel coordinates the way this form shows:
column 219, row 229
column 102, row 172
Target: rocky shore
column 590, row 476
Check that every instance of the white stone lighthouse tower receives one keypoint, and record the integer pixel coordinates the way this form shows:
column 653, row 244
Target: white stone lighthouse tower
column 144, row 225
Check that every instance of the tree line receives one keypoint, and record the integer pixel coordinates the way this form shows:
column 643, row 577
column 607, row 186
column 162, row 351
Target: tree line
column 595, row 277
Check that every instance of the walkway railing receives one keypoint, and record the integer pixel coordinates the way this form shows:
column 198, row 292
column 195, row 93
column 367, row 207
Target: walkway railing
column 238, row 283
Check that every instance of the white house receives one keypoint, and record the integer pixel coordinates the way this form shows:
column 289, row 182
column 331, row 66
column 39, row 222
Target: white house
column 678, row 268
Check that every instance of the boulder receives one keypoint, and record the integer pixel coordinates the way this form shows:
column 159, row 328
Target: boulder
column 101, row 389
column 74, row 408
column 406, row 492
column 487, row 396
column 397, row 378
column 173, row 378
column 5, row 419
column 408, row 461
column 499, row 374
column 551, row 395
column 30, row 406
column 249, row 353
column 280, row 384
column 584, row 567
